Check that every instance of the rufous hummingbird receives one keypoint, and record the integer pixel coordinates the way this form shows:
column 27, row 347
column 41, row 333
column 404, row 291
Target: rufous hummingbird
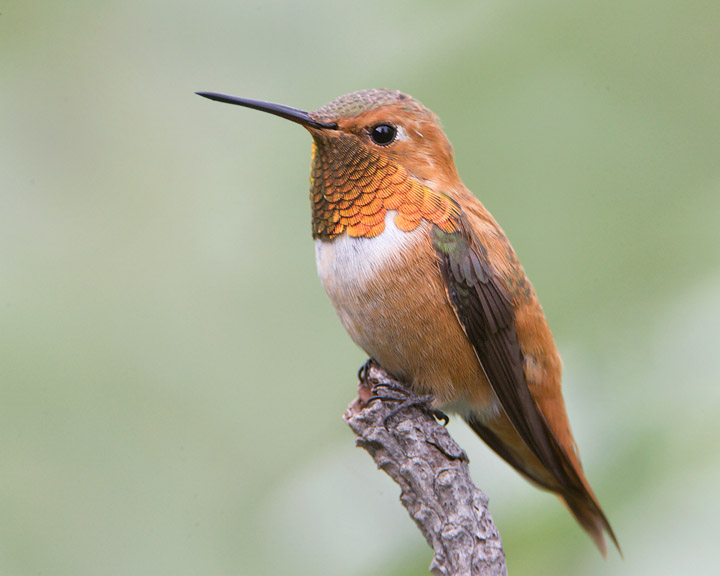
column 425, row 281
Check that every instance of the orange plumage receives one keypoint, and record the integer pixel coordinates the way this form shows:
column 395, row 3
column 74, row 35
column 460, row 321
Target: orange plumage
column 352, row 189
column 425, row 281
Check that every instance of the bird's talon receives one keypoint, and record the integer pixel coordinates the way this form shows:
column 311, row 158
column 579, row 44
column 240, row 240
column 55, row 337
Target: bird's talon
column 440, row 416
column 393, row 388
column 407, row 400
column 364, row 371
column 422, row 402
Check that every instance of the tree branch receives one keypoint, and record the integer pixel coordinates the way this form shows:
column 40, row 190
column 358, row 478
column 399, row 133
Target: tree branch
column 432, row 471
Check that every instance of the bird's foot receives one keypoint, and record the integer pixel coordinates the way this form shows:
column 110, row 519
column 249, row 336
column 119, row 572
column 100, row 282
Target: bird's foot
column 407, row 400
column 364, row 371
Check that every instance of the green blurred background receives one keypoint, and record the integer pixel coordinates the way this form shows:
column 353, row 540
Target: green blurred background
column 172, row 376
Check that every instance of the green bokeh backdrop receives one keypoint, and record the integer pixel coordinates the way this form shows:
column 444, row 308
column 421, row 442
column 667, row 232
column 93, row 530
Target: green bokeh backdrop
column 172, row 376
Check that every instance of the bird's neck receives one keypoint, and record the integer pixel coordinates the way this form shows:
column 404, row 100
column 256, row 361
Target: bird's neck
column 353, row 188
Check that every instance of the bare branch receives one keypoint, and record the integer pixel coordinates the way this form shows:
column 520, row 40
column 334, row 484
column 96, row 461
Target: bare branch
column 432, row 472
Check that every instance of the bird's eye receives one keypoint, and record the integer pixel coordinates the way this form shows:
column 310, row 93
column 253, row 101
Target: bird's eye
column 383, row 134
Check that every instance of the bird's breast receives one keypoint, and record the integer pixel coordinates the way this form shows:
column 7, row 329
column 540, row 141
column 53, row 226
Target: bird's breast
column 390, row 296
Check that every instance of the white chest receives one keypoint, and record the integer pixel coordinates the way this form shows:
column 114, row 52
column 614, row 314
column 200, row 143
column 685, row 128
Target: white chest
column 350, row 269
column 346, row 263
column 390, row 296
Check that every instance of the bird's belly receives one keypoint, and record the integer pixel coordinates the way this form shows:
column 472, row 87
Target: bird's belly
column 389, row 295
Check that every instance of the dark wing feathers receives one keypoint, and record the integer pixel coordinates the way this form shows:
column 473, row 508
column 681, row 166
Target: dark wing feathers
column 484, row 309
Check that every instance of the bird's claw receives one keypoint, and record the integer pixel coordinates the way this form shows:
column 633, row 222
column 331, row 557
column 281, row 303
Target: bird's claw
column 364, row 371
column 407, row 400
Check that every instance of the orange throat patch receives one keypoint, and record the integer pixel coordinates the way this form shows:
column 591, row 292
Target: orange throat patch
column 352, row 189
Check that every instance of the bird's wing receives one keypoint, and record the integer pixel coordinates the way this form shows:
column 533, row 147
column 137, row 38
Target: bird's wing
column 484, row 309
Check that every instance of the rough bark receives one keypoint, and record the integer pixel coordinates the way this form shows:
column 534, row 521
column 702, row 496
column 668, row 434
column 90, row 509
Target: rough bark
column 418, row 453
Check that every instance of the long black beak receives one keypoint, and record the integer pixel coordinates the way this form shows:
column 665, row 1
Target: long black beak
column 292, row 114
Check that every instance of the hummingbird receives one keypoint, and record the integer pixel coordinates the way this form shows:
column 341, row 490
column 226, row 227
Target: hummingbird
column 425, row 281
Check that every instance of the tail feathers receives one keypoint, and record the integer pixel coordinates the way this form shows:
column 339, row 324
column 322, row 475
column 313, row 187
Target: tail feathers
column 573, row 489
column 591, row 517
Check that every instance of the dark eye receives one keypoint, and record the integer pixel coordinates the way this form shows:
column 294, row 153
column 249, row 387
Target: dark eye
column 383, row 134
